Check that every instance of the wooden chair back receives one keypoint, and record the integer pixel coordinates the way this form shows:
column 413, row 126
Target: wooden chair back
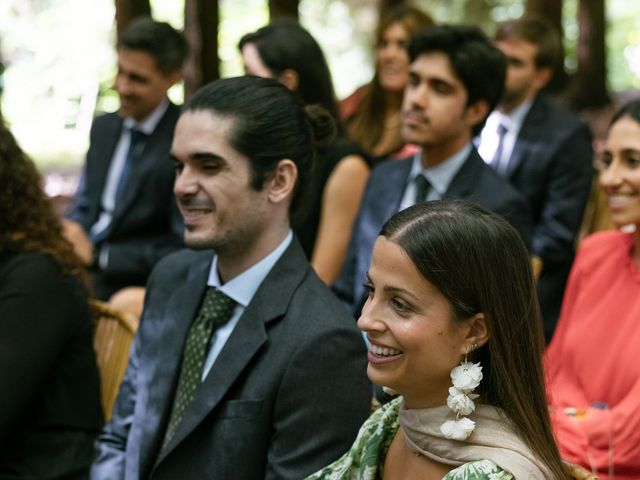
column 113, row 334
column 578, row 473
column 536, row 267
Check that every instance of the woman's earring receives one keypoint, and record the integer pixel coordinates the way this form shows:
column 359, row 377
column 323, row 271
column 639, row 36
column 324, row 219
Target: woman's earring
column 466, row 377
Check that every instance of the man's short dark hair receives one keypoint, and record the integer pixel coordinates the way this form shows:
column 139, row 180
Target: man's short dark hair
column 479, row 65
column 537, row 31
column 269, row 124
column 159, row 39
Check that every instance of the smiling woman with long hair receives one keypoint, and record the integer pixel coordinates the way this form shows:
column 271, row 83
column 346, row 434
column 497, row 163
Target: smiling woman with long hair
column 49, row 387
column 463, row 352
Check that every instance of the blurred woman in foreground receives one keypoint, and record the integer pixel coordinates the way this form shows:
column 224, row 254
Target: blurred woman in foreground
column 49, row 387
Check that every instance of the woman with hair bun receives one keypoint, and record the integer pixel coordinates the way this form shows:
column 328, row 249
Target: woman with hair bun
column 284, row 50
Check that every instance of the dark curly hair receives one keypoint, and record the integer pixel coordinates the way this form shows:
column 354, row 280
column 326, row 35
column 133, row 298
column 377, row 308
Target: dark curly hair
column 28, row 221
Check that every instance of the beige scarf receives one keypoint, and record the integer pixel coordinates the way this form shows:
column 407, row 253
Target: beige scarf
column 493, row 439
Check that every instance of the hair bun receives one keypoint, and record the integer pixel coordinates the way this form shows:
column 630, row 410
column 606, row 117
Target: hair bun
column 323, row 125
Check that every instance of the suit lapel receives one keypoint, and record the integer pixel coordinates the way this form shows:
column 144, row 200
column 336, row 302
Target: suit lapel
column 465, row 180
column 109, row 136
column 529, row 130
column 177, row 318
column 153, row 151
column 393, row 187
column 269, row 303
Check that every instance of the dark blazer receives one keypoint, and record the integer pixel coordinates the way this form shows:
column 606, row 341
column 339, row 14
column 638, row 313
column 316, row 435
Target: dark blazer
column 50, row 411
column 475, row 181
column 146, row 224
column 285, row 397
column 552, row 166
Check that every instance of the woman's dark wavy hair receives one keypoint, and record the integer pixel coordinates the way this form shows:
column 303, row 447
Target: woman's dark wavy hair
column 28, row 222
column 480, row 264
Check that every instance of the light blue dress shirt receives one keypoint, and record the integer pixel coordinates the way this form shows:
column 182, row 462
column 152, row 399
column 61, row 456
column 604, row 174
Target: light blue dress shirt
column 439, row 176
column 240, row 288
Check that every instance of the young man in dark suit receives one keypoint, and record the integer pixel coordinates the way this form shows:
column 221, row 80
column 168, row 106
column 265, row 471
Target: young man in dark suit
column 456, row 78
column 245, row 365
column 542, row 150
column 123, row 218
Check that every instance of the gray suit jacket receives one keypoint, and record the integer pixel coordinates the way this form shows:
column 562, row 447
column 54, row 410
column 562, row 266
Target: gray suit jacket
column 475, row 181
column 146, row 224
column 285, row 397
column 552, row 166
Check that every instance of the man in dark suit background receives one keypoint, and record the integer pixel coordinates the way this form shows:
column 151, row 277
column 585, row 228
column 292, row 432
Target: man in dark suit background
column 123, row 218
column 277, row 389
column 456, row 78
column 541, row 149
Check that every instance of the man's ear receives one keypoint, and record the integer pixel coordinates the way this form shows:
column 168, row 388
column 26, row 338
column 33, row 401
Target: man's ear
column 477, row 332
column 290, row 79
column 542, row 77
column 477, row 112
column 282, row 181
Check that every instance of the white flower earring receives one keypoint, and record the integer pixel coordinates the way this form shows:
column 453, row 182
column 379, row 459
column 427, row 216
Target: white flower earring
column 466, row 377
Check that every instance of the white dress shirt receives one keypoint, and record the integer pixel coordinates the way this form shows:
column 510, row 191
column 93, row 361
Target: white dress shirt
column 489, row 138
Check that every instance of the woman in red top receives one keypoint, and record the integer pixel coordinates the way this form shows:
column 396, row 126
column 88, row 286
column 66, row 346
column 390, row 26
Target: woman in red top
column 592, row 362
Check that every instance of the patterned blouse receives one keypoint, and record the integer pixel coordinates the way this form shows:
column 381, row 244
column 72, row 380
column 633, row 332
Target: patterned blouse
column 365, row 460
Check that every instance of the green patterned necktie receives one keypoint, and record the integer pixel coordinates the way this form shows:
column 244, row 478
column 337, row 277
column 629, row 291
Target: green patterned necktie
column 216, row 310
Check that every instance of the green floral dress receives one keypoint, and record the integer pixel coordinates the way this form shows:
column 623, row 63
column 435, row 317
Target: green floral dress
column 365, row 460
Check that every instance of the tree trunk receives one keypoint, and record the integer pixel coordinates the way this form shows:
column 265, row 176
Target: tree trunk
column 201, row 31
column 479, row 13
column 127, row 10
column 279, row 9
column 551, row 10
column 589, row 85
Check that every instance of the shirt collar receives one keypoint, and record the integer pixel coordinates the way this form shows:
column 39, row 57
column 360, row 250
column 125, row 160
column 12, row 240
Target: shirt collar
column 441, row 175
column 243, row 287
column 149, row 124
column 513, row 120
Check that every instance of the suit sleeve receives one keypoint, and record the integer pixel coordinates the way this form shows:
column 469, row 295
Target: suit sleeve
column 109, row 463
column 345, row 286
column 313, row 426
column 569, row 183
column 517, row 213
column 130, row 256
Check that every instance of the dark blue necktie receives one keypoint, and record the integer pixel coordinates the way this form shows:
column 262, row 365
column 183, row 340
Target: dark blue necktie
column 422, row 188
column 136, row 138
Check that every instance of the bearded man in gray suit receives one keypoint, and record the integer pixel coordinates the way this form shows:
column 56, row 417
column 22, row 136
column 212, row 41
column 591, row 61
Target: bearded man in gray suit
column 245, row 365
